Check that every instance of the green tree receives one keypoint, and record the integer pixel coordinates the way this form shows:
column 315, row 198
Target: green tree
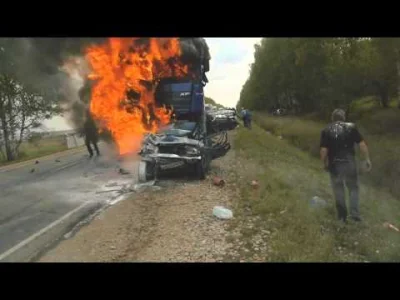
column 312, row 74
column 381, row 68
column 22, row 107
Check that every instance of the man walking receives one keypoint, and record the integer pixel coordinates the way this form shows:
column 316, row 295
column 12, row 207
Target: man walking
column 91, row 134
column 338, row 156
column 246, row 116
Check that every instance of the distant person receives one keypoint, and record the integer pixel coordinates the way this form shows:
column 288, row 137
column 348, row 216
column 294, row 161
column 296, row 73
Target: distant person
column 91, row 134
column 338, row 156
column 246, row 116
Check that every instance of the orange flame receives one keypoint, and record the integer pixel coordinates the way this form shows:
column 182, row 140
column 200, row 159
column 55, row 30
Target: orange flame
column 131, row 64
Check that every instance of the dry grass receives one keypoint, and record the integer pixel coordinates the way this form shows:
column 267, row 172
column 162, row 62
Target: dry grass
column 43, row 147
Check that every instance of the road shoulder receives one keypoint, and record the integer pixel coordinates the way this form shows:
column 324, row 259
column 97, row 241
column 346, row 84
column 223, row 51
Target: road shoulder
column 173, row 224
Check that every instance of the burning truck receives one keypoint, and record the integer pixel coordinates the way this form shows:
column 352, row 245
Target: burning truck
column 188, row 141
column 149, row 94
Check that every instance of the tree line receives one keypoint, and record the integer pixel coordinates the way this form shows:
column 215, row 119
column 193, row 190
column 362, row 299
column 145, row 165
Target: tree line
column 318, row 74
column 211, row 101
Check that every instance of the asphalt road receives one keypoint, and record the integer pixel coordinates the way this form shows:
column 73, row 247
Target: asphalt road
column 40, row 202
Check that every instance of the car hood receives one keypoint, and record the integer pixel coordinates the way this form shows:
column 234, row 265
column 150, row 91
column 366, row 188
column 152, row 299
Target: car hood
column 167, row 139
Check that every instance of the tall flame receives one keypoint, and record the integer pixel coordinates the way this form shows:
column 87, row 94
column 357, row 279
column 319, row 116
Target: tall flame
column 131, row 66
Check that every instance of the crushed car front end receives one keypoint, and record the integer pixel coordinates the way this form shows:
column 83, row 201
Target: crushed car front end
column 162, row 152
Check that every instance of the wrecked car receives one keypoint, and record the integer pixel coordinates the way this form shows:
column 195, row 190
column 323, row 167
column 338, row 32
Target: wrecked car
column 180, row 145
column 223, row 119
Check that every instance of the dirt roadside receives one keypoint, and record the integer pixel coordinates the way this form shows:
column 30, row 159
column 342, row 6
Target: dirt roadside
column 174, row 224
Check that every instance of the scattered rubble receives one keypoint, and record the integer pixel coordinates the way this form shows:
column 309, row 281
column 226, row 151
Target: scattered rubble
column 222, row 213
column 140, row 187
column 390, row 226
column 317, row 202
column 218, row 181
column 254, row 184
column 123, row 172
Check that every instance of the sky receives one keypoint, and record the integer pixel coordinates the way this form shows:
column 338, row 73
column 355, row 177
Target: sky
column 229, row 70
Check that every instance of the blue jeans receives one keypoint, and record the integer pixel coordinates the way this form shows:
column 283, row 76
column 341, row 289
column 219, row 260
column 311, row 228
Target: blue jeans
column 247, row 122
column 345, row 173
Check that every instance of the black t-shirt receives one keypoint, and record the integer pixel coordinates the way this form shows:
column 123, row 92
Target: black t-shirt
column 339, row 138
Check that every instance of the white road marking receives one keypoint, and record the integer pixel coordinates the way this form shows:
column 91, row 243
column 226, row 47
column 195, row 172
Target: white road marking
column 41, row 232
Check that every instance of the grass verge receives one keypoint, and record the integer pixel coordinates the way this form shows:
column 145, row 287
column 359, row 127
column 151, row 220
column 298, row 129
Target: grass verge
column 378, row 128
column 288, row 179
column 42, row 148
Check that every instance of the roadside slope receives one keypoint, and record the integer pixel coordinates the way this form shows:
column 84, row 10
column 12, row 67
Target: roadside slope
column 288, row 179
column 173, row 224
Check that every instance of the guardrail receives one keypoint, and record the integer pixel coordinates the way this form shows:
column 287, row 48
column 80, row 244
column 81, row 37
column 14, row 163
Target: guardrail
column 74, row 141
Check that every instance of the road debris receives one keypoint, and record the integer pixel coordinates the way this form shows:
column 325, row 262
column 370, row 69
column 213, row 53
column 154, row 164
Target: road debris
column 317, row 202
column 222, row 213
column 109, row 191
column 123, row 172
column 390, row 226
column 36, row 162
column 218, row 181
column 57, row 160
column 139, row 187
column 33, row 170
column 254, row 184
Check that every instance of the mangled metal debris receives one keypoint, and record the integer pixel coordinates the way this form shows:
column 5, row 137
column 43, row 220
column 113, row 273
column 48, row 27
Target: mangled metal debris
column 127, row 188
column 218, row 181
column 140, row 187
column 123, row 171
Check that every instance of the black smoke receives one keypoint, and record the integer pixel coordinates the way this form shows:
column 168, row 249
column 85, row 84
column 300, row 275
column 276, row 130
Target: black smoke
column 195, row 53
column 36, row 62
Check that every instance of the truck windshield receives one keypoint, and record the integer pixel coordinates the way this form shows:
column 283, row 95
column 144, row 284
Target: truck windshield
column 179, row 128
